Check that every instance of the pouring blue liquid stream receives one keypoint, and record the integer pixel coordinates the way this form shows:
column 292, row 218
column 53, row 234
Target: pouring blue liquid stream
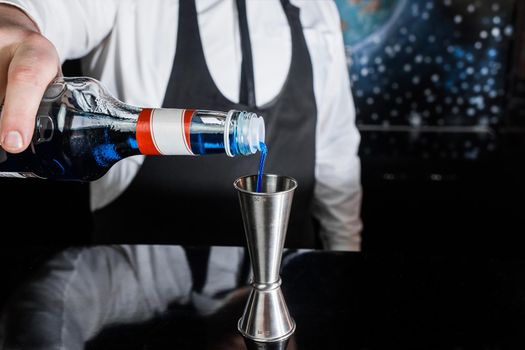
column 264, row 152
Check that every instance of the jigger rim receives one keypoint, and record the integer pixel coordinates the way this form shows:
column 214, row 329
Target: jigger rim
column 238, row 188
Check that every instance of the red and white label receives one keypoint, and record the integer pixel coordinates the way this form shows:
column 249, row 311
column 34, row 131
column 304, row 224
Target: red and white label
column 164, row 131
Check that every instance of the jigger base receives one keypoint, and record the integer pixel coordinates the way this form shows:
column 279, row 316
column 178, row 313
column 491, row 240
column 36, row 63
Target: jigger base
column 266, row 340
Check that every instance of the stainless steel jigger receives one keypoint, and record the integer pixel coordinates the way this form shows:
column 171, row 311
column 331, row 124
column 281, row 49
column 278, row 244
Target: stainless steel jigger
column 265, row 216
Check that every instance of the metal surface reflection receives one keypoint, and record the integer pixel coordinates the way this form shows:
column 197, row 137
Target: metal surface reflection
column 83, row 294
column 157, row 298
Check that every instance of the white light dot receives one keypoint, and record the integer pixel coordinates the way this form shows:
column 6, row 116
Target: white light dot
column 508, row 30
column 458, row 19
column 415, row 119
column 495, row 109
column 381, row 69
column 378, row 60
column 418, row 59
column 495, row 7
column 496, row 32
column 483, row 34
column 370, row 101
column 435, row 78
column 364, row 72
column 407, row 68
column 471, row 8
column 496, row 20
column 376, row 90
column 470, row 70
column 478, row 45
column 416, row 80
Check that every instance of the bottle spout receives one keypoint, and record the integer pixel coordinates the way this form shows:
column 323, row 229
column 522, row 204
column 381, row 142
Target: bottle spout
column 257, row 133
column 249, row 131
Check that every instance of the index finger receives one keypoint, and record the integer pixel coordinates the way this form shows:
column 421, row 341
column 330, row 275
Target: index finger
column 33, row 66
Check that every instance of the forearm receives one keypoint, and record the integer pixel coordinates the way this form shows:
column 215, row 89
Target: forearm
column 338, row 206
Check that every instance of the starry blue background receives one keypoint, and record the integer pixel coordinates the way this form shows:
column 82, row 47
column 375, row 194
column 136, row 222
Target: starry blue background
column 428, row 62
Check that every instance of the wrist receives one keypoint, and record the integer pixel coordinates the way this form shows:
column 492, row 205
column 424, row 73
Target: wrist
column 12, row 16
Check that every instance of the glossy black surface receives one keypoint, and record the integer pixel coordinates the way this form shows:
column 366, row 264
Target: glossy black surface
column 353, row 301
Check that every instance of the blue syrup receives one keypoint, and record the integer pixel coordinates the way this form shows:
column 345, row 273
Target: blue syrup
column 83, row 149
column 264, row 152
column 206, row 138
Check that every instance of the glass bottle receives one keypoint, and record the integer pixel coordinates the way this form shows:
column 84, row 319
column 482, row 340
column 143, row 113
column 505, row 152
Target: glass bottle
column 81, row 131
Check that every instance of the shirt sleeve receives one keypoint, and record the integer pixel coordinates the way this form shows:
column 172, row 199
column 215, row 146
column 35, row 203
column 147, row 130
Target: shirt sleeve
column 338, row 192
column 75, row 27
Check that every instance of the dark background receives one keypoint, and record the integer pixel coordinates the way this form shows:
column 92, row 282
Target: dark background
column 426, row 191
column 453, row 197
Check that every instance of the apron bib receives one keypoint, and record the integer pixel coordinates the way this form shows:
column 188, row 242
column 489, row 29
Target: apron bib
column 191, row 200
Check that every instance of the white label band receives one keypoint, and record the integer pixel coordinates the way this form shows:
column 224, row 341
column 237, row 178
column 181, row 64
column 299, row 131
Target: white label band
column 168, row 131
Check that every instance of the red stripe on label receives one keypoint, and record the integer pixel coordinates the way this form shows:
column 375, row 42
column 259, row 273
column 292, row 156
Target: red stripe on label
column 144, row 133
column 188, row 115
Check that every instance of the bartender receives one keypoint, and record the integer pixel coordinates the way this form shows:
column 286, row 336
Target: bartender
column 283, row 60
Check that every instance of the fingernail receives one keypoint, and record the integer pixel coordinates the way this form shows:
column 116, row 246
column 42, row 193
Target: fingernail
column 13, row 140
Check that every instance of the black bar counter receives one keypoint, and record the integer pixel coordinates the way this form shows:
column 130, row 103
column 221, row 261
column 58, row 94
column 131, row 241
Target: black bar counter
column 338, row 300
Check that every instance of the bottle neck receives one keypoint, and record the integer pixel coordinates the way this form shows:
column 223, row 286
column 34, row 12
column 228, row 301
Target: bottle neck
column 198, row 132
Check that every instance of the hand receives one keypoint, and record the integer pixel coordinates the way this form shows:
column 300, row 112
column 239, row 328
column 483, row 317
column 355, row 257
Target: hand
column 28, row 63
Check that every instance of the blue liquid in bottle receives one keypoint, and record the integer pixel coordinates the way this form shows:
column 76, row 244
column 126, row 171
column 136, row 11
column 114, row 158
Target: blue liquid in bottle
column 264, row 152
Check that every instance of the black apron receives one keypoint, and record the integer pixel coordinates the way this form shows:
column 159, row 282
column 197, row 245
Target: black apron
column 191, row 200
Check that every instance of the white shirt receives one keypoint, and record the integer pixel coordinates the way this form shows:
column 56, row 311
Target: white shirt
column 129, row 45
